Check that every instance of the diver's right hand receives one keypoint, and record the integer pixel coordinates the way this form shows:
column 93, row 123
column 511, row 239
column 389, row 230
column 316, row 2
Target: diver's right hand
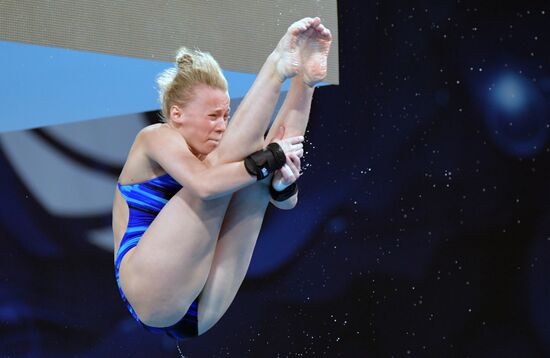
column 292, row 145
column 265, row 161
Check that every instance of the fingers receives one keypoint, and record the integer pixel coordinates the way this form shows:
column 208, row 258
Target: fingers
column 289, row 145
column 292, row 168
column 292, row 146
column 288, row 142
column 295, row 168
column 288, row 176
column 295, row 140
column 296, row 163
column 278, row 181
column 297, row 149
column 277, row 176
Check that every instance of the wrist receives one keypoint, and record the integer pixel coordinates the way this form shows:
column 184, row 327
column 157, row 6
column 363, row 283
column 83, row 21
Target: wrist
column 284, row 194
column 264, row 162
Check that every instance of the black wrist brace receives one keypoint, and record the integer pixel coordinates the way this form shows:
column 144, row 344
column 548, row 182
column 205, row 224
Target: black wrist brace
column 284, row 194
column 264, row 162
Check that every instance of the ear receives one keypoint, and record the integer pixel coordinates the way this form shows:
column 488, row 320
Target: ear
column 176, row 114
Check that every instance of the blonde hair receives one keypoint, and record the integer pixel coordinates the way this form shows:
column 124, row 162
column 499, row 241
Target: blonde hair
column 193, row 67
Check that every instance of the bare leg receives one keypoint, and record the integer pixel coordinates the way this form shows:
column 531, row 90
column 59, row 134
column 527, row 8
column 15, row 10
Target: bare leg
column 238, row 235
column 254, row 112
column 244, row 217
column 169, row 267
column 294, row 113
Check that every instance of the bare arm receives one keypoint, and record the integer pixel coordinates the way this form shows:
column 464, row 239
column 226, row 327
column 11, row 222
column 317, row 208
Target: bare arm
column 169, row 149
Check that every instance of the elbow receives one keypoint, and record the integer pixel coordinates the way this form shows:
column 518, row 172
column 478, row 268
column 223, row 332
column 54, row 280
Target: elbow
column 206, row 192
column 209, row 196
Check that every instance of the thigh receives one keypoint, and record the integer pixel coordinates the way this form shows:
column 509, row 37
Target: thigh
column 238, row 235
column 170, row 265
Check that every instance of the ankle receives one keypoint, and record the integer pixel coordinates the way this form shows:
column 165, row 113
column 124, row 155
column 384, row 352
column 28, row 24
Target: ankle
column 273, row 64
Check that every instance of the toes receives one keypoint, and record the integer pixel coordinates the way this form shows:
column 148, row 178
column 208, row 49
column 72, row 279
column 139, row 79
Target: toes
column 309, row 22
column 301, row 25
column 309, row 32
column 304, row 24
column 323, row 31
column 297, row 29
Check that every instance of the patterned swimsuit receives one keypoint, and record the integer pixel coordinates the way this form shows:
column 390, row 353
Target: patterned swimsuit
column 145, row 200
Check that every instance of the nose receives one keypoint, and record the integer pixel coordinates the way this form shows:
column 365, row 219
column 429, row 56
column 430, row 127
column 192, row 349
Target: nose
column 221, row 125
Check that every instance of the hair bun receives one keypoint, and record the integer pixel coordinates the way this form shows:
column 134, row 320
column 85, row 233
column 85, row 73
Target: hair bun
column 184, row 59
column 176, row 84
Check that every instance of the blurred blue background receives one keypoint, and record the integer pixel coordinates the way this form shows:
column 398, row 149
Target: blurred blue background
column 423, row 227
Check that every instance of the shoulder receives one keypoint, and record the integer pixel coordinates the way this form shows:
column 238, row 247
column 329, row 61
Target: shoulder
column 158, row 134
column 153, row 131
column 160, row 141
column 138, row 166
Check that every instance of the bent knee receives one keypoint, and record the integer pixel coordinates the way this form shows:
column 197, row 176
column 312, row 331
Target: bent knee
column 205, row 323
column 159, row 315
column 153, row 307
column 208, row 317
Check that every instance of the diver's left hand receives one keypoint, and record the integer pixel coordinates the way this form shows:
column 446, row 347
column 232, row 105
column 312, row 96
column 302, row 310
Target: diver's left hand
column 288, row 174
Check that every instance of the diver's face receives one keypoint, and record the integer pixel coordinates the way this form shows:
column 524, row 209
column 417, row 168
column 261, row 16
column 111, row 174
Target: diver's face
column 204, row 119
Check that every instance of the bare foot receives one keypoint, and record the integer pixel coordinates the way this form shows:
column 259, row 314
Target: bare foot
column 288, row 49
column 314, row 52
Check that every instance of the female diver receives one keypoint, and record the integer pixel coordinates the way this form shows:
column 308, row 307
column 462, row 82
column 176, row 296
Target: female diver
column 191, row 196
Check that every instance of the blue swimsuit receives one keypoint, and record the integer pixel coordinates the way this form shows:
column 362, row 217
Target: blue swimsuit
column 145, row 200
